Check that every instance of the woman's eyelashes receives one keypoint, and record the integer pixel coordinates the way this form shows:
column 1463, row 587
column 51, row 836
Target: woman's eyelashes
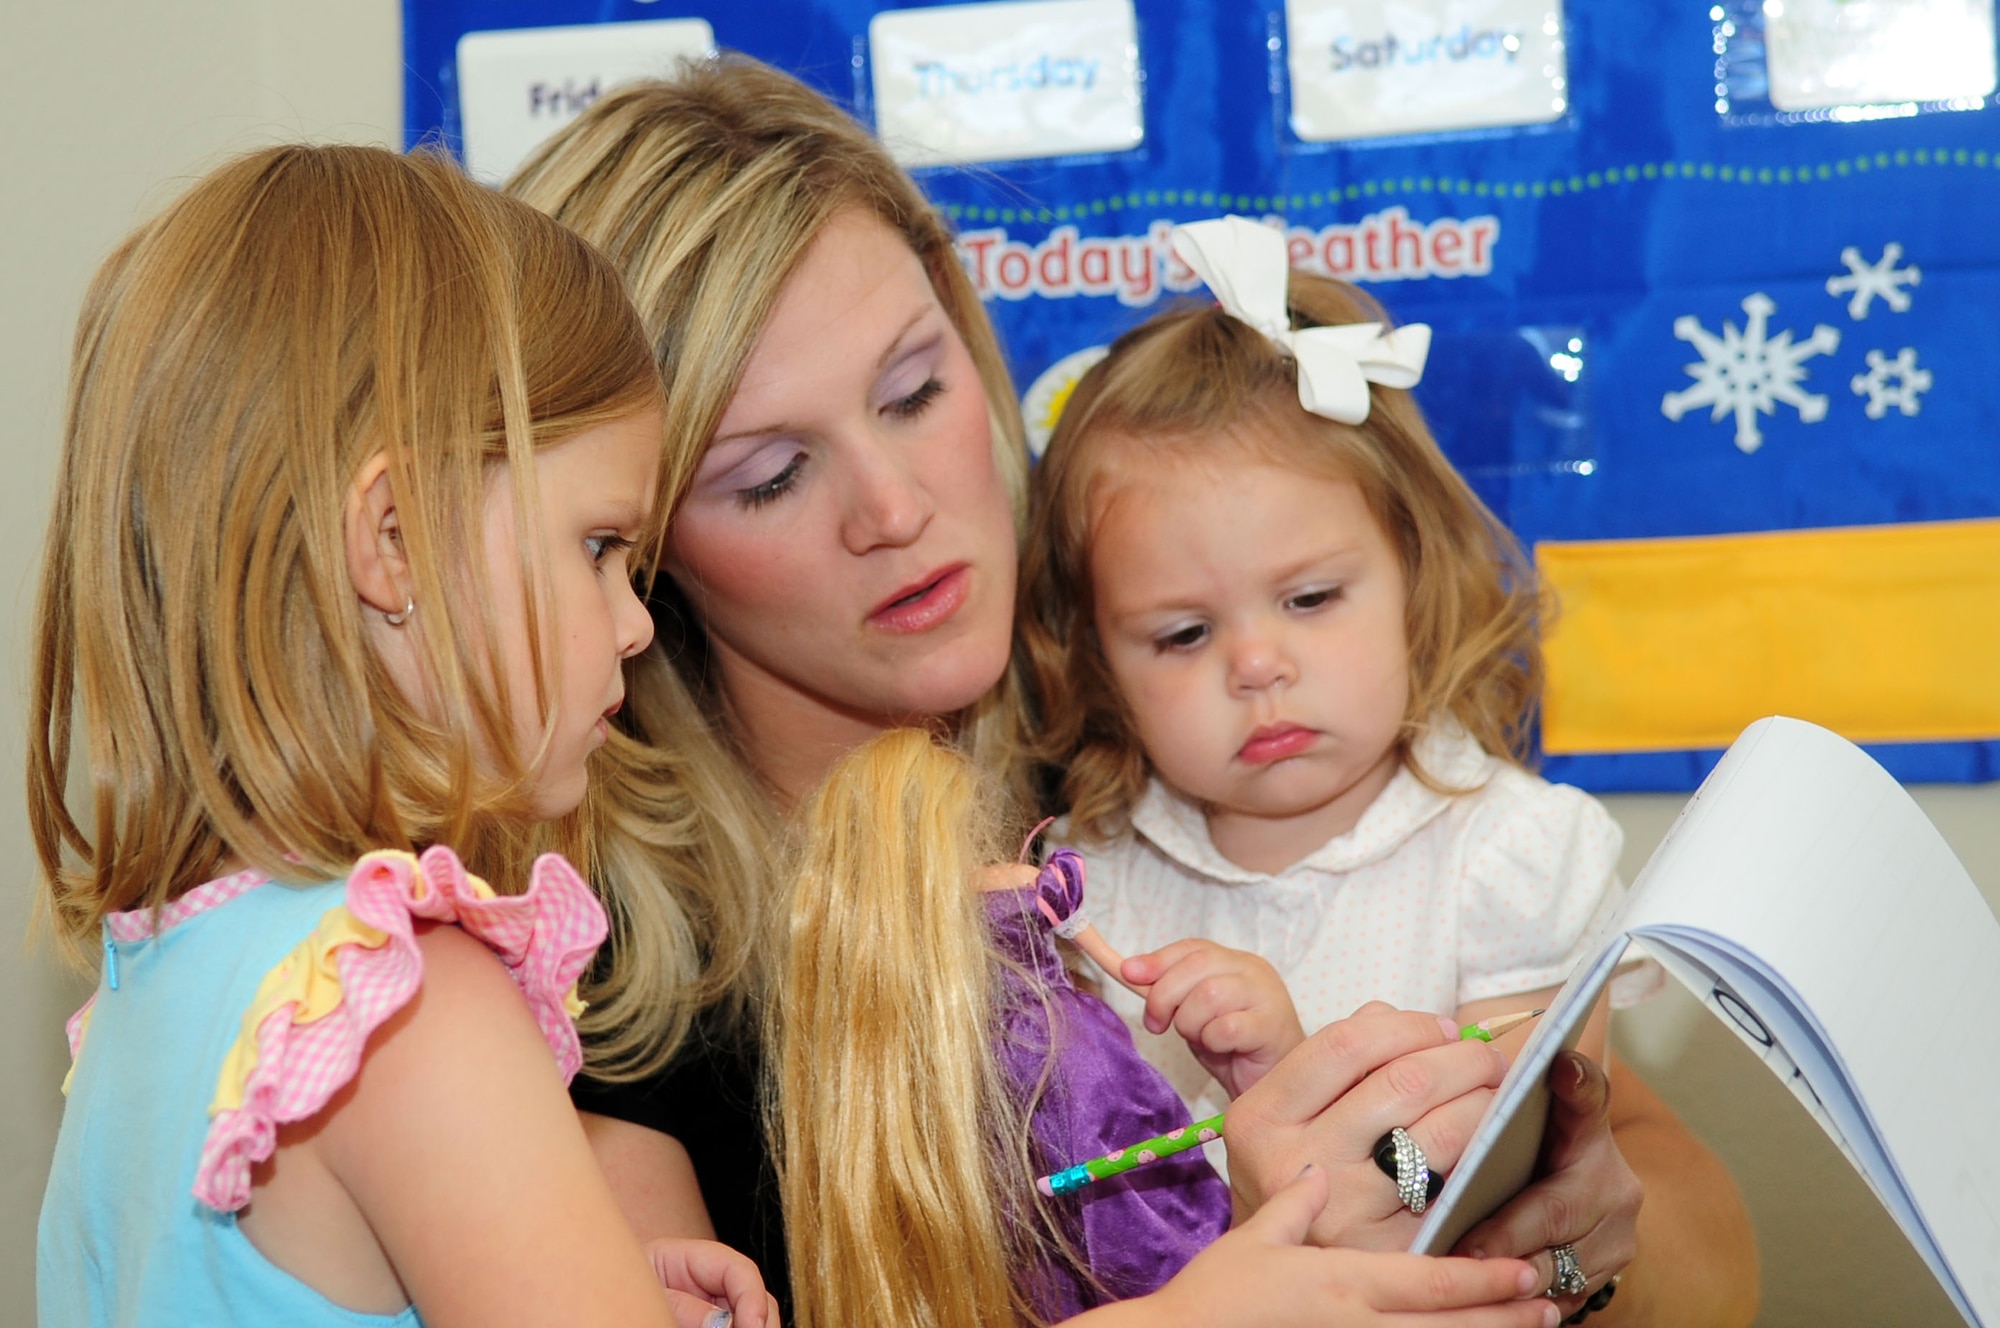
column 915, row 403
column 754, row 483
column 769, row 490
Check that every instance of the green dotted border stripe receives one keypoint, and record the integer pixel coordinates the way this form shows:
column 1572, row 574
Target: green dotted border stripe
column 1555, row 188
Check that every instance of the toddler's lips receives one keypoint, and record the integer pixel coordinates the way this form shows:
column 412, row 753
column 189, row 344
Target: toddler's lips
column 1275, row 742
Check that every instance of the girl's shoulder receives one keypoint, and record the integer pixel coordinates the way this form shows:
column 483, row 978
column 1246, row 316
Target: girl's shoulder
column 307, row 1029
column 1521, row 836
column 1511, row 796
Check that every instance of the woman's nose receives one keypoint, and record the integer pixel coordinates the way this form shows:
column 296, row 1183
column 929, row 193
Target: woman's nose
column 887, row 506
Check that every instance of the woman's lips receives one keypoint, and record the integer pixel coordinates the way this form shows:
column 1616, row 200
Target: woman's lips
column 1275, row 742
column 923, row 606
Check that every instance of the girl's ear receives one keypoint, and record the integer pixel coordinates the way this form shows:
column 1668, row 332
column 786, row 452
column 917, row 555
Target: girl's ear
column 375, row 558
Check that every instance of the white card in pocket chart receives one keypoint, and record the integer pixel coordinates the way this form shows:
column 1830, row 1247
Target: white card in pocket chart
column 1376, row 68
column 517, row 87
column 1828, row 53
column 1006, row 81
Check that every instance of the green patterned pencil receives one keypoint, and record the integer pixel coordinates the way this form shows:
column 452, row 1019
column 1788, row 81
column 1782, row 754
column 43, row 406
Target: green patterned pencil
column 1201, row 1132
column 1135, row 1155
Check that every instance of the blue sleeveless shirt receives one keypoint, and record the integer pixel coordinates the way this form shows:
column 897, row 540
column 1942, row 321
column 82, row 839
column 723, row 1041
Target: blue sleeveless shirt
column 122, row 1240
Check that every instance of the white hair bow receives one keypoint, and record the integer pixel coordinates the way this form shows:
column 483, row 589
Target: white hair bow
column 1246, row 265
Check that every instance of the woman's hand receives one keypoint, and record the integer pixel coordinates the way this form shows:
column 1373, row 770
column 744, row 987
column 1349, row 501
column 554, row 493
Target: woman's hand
column 1259, row 1275
column 1338, row 1092
column 710, row 1285
column 1230, row 1005
column 1589, row 1198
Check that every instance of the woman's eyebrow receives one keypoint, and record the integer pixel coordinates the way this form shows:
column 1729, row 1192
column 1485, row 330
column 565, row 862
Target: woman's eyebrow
column 895, row 346
column 890, row 353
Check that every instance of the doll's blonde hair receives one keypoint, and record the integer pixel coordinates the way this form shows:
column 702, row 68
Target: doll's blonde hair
column 706, row 191
column 904, row 1159
column 1193, row 381
column 238, row 361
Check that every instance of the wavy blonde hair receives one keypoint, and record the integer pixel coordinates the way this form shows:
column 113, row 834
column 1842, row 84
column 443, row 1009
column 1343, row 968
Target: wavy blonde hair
column 238, row 361
column 904, row 1157
column 1193, row 380
column 706, row 191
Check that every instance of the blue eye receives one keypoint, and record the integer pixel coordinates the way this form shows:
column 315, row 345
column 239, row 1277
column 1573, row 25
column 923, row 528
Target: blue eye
column 774, row 488
column 601, row 547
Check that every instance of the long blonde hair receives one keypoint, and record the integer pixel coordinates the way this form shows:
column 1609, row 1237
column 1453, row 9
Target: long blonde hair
column 239, row 359
column 1195, row 379
column 903, row 1155
column 706, row 191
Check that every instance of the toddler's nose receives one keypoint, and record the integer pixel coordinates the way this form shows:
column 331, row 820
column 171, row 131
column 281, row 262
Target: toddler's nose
column 1259, row 664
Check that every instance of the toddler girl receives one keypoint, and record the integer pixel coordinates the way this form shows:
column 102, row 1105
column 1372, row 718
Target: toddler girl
column 355, row 455
column 1288, row 663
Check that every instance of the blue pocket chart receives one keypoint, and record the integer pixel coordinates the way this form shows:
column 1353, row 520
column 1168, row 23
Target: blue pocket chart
column 1677, row 287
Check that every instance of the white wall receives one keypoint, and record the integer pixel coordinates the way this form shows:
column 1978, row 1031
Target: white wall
column 112, row 107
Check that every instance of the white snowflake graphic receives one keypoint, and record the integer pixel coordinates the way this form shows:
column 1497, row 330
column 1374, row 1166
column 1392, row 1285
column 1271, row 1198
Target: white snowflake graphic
column 1865, row 281
column 1749, row 371
column 1910, row 382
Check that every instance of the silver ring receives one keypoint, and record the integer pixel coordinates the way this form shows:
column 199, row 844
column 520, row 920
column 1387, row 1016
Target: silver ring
column 1413, row 1176
column 1569, row 1280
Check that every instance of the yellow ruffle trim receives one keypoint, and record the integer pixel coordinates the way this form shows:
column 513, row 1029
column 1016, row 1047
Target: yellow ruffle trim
column 82, row 1032
column 305, row 979
column 309, row 982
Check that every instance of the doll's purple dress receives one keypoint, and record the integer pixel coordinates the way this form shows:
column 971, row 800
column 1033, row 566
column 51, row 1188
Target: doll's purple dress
column 1134, row 1231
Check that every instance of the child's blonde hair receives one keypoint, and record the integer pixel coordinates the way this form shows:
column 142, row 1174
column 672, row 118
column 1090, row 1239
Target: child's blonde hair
column 1192, row 380
column 707, row 190
column 904, row 1156
column 239, row 360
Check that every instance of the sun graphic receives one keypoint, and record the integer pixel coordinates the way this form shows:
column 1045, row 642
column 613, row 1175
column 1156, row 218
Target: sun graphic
column 1042, row 406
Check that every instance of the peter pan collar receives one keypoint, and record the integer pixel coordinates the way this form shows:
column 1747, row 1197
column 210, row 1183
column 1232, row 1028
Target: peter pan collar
column 1452, row 757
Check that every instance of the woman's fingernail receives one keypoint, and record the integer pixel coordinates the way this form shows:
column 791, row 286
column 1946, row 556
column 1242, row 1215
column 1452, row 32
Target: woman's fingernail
column 1576, row 1074
column 1450, row 1027
column 1551, row 1316
column 1529, row 1281
column 719, row 1319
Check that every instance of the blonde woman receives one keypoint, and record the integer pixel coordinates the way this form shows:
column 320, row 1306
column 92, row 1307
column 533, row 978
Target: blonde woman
column 844, row 463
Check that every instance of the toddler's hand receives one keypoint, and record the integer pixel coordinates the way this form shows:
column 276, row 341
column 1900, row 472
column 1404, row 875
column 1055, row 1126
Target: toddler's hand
column 1230, row 1005
column 711, row 1285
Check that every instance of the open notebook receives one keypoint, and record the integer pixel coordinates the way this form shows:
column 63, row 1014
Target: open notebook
column 1815, row 910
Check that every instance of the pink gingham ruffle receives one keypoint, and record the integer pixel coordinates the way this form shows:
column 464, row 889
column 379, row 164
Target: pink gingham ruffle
column 545, row 937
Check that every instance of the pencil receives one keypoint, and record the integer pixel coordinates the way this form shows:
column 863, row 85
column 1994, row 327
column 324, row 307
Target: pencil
column 1120, row 1161
column 1125, row 1159
column 1488, row 1029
